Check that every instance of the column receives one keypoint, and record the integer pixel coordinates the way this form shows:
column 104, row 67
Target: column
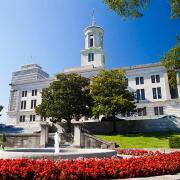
column 77, row 135
column 44, row 135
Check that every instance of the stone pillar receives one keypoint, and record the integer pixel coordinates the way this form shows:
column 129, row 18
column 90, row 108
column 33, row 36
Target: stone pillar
column 77, row 135
column 47, row 133
column 44, row 134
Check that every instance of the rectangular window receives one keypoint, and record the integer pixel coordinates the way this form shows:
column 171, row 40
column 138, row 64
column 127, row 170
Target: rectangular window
column 22, row 118
column 34, row 92
column 90, row 57
column 159, row 93
column 33, row 104
column 142, row 111
column 32, row 118
column 156, row 111
column 140, row 94
column 139, row 80
column 156, row 93
column 155, row 78
column 91, row 40
column 24, row 93
column 23, row 104
column 159, row 110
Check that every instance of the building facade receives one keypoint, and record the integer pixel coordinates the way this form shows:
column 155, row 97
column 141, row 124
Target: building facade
column 148, row 81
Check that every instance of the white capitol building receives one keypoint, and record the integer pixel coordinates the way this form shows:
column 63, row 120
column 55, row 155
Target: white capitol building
column 149, row 81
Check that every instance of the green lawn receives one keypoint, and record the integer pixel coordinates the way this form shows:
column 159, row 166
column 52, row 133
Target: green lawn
column 141, row 140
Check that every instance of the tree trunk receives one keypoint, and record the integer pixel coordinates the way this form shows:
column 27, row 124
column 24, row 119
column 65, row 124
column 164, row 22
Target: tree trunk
column 114, row 123
column 69, row 126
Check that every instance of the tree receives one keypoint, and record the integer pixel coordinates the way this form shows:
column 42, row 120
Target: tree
column 66, row 98
column 1, row 108
column 171, row 61
column 134, row 8
column 111, row 96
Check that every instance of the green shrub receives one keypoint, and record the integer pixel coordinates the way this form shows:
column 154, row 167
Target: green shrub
column 174, row 142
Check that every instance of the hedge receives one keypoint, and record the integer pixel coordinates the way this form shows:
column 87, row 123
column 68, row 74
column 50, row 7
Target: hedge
column 174, row 142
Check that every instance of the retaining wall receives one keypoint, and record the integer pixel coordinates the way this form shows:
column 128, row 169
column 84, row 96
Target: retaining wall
column 23, row 140
column 89, row 141
column 135, row 126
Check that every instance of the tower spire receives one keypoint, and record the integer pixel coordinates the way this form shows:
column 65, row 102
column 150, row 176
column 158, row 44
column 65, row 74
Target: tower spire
column 93, row 19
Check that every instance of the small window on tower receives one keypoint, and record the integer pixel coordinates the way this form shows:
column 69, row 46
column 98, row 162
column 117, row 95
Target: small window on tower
column 91, row 40
column 90, row 57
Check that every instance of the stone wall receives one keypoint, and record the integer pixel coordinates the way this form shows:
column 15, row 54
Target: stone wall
column 165, row 124
column 23, row 140
column 89, row 141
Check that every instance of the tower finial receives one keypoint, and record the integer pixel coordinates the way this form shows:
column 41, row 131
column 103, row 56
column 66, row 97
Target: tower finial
column 93, row 18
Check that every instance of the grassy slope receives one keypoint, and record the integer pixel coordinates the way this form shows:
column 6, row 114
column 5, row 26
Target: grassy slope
column 148, row 140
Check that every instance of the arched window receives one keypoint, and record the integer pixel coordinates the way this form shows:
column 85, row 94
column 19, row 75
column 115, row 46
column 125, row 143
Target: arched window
column 91, row 38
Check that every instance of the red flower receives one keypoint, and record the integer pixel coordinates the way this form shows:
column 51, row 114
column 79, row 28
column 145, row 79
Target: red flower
column 151, row 165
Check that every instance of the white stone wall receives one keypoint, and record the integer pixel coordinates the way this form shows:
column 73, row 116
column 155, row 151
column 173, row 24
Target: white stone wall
column 146, row 71
column 14, row 116
column 98, row 58
column 171, row 106
column 148, row 85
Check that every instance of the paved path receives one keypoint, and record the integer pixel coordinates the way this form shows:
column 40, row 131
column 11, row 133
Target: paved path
column 165, row 177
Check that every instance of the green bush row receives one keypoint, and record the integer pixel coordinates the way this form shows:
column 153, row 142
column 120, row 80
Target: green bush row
column 174, row 142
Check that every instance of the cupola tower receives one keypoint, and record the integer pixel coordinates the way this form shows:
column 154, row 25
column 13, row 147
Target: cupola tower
column 93, row 53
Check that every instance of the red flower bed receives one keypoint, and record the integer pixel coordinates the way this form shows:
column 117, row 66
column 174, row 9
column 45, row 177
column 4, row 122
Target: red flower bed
column 90, row 168
column 137, row 152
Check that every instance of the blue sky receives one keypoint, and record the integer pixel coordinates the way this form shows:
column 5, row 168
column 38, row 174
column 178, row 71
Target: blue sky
column 52, row 33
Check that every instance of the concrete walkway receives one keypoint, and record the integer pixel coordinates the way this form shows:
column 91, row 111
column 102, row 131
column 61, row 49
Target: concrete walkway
column 165, row 177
